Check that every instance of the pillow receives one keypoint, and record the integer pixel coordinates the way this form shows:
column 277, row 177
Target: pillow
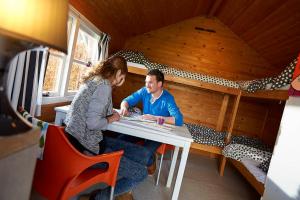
column 285, row 77
column 259, row 84
column 264, row 166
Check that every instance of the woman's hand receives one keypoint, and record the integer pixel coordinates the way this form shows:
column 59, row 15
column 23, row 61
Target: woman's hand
column 114, row 117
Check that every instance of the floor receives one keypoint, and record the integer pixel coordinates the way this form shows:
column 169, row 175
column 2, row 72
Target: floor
column 201, row 181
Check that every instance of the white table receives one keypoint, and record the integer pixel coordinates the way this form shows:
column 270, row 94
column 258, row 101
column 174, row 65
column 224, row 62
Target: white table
column 177, row 136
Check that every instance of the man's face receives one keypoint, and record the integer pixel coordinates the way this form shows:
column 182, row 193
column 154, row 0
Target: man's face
column 151, row 84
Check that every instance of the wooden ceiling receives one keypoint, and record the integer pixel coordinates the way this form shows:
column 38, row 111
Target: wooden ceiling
column 270, row 27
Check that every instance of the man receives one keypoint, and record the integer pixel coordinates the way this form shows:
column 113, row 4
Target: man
column 158, row 104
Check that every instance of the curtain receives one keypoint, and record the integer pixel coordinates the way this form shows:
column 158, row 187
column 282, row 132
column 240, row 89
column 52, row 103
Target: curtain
column 103, row 47
column 25, row 80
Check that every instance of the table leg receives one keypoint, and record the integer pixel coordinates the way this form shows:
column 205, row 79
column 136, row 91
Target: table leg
column 172, row 168
column 181, row 169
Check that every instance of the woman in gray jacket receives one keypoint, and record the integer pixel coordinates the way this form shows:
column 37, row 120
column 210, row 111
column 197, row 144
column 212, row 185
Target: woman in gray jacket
column 90, row 113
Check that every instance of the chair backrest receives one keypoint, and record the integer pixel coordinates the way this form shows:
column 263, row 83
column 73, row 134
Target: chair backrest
column 63, row 170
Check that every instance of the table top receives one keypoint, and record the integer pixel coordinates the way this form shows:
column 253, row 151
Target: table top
column 163, row 133
column 62, row 108
column 180, row 132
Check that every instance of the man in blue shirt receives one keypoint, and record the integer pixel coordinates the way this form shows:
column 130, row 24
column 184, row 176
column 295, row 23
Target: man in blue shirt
column 157, row 102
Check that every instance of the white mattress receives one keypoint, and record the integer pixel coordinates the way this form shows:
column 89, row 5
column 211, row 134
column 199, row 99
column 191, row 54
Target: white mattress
column 251, row 165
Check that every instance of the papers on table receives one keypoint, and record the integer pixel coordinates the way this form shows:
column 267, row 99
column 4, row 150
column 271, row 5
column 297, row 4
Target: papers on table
column 138, row 120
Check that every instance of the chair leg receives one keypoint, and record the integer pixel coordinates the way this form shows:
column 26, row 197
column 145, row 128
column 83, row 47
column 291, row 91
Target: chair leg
column 160, row 164
column 112, row 190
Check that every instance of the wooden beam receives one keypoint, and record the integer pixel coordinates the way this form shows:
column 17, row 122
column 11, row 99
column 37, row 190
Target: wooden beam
column 233, row 116
column 222, row 112
column 190, row 82
column 207, row 148
column 268, row 94
column 222, row 165
column 230, row 129
column 214, row 8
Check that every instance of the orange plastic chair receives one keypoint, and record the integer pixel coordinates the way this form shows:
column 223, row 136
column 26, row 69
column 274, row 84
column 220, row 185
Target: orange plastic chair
column 162, row 151
column 64, row 172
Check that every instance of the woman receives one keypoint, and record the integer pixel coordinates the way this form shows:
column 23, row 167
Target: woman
column 90, row 113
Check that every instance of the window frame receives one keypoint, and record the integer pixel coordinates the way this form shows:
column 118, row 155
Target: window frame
column 78, row 22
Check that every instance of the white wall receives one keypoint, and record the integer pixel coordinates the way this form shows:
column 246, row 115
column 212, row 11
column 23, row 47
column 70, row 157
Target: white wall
column 283, row 179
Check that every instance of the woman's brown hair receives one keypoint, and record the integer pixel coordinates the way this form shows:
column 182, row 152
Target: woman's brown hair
column 108, row 68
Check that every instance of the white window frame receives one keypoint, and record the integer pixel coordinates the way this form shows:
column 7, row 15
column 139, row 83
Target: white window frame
column 78, row 22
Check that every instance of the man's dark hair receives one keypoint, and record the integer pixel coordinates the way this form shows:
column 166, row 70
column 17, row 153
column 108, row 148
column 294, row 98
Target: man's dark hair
column 158, row 74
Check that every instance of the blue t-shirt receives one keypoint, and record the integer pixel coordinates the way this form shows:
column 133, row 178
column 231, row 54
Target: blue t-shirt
column 163, row 106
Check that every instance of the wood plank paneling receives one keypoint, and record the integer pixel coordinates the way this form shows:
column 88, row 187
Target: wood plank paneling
column 271, row 127
column 48, row 112
column 221, row 54
column 271, row 27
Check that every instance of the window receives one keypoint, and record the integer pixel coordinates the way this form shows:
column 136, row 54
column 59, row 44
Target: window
column 86, row 51
column 64, row 72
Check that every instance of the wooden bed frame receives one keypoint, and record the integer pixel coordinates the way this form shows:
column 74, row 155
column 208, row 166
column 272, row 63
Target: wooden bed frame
column 227, row 92
column 248, row 176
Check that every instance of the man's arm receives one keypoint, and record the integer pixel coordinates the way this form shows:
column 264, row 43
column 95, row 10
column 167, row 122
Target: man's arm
column 130, row 101
column 176, row 115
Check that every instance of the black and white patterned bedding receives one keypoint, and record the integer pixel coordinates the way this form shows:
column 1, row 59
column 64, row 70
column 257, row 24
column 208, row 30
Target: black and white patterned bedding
column 250, row 141
column 241, row 147
column 241, row 151
column 276, row 82
column 205, row 135
column 264, row 166
column 283, row 79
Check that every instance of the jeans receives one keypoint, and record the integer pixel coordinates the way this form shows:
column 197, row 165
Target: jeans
column 132, row 169
column 150, row 145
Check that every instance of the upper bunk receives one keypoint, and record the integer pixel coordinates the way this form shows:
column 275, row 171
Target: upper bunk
column 253, row 89
column 140, row 69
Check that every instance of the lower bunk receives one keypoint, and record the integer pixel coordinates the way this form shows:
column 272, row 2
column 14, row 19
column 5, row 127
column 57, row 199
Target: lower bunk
column 250, row 156
column 206, row 139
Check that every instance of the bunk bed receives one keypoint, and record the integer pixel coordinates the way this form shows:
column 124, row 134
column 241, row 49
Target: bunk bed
column 251, row 160
column 230, row 90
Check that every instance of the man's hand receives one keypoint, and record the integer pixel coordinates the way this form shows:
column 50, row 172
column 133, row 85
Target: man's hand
column 124, row 108
column 114, row 117
column 149, row 117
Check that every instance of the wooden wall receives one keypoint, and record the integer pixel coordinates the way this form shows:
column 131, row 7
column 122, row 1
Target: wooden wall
column 221, row 54
column 272, row 28
column 259, row 118
column 48, row 112
column 272, row 122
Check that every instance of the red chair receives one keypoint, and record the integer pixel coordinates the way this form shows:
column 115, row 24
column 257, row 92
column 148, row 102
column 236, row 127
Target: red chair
column 162, row 151
column 64, row 172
